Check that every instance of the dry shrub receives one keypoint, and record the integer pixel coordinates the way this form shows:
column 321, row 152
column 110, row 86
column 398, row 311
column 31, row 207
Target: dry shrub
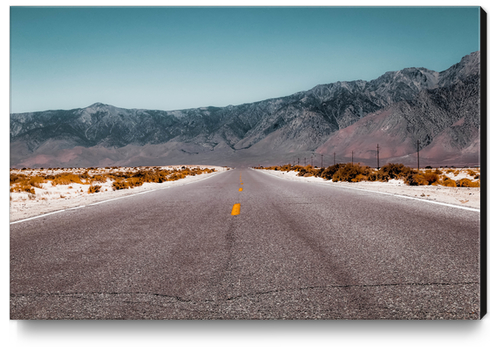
column 422, row 178
column 134, row 182
column 175, row 176
column 130, row 179
column 85, row 175
column 119, row 184
column 471, row 172
column 36, row 181
column 99, row 178
column 185, row 171
column 65, row 179
column 415, row 179
column 23, row 183
column 328, row 172
column 465, row 182
column 94, row 189
column 447, row 182
column 357, row 173
column 22, row 187
column 14, row 178
column 350, row 172
column 394, row 171
column 148, row 176
column 373, row 176
column 306, row 171
column 360, row 178
column 431, row 177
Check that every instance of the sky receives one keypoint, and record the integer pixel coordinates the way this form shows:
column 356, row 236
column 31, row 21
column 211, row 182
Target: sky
column 170, row 58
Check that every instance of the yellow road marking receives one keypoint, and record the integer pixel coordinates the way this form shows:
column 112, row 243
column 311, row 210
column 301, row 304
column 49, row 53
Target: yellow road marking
column 241, row 183
column 235, row 210
column 240, row 189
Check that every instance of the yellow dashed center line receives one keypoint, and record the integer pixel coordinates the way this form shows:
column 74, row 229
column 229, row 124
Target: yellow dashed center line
column 235, row 210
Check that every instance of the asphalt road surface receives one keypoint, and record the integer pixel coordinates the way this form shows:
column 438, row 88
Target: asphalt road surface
column 289, row 250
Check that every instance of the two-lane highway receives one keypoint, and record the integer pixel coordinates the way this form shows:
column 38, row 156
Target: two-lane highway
column 246, row 245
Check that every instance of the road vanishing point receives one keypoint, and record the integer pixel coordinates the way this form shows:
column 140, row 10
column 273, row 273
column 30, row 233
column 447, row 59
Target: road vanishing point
column 244, row 244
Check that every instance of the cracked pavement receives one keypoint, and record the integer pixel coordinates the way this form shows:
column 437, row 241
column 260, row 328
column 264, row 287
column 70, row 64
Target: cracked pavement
column 296, row 251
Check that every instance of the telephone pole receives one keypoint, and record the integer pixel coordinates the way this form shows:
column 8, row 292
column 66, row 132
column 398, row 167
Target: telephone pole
column 352, row 159
column 333, row 158
column 377, row 155
column 418, row 159
column 322, row 161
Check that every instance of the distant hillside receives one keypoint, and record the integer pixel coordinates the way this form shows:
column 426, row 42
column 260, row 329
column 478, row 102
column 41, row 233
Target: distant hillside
column 441, row 109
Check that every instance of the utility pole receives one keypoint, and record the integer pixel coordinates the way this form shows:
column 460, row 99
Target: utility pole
column 333, row 158
column 377, row 154
column 418, row 160
column 352, row 159
column 322, row 161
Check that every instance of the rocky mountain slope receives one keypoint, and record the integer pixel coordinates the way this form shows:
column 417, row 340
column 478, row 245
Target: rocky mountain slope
column 439, row 108
column 445, row 121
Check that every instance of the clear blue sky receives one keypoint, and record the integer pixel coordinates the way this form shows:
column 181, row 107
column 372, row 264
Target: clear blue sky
column 174, row 58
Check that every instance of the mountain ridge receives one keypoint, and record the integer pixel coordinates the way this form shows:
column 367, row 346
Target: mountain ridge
column 299, row 123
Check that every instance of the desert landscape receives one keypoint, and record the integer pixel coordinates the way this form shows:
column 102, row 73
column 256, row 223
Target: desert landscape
column 246, row 163
column 456, row 186
column 39, row 191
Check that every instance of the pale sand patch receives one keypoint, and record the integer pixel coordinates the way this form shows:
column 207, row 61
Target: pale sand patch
column 60, row 197
column 459, row 196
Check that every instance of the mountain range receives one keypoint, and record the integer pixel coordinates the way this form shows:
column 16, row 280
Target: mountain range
column 441, row 110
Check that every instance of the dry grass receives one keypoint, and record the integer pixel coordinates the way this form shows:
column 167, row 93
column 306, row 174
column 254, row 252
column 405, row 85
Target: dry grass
column 65, row 179
column 26, row 180
column 358, row 173
column 465, row 182
column 94, row 189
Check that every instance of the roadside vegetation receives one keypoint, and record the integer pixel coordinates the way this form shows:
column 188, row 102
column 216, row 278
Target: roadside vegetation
column 358, row 173
column 26, row 180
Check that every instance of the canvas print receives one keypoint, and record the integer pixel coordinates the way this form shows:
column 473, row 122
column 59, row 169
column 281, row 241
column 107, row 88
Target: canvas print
column 248, row 163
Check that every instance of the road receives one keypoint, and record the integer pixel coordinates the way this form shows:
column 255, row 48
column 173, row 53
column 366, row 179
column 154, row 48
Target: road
column 293, row 250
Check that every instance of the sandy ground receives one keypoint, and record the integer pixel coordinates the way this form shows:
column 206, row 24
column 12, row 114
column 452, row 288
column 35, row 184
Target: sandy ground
column 469, row 197
column 49, row 199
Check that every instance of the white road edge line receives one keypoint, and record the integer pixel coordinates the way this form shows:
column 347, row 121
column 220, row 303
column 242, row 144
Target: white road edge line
column 121, row 197
column 42, row 215
column 392, row 194
column 413, row 198
column 76, row 207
